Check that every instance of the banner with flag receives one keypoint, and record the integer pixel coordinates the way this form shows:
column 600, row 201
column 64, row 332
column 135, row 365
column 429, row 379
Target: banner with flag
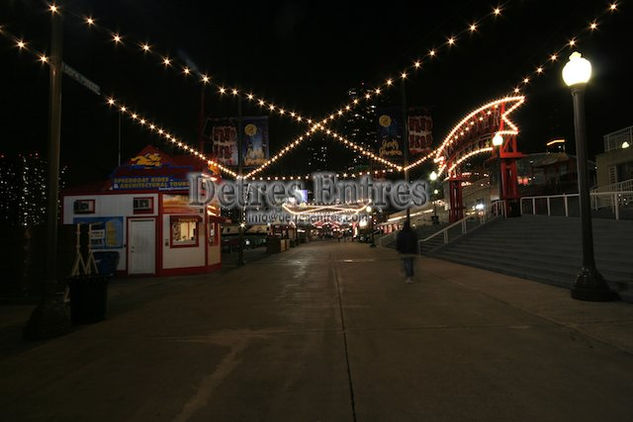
column 389, row 133
column 420, row 131
column 222, row 134
column 255, row 141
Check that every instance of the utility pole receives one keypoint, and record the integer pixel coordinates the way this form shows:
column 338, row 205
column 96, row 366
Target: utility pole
column 50, row 318
column 405, row 138
column 240, row 161
column 119, row 142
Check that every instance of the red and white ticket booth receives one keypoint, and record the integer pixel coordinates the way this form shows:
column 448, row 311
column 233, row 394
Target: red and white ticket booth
column 142, row 212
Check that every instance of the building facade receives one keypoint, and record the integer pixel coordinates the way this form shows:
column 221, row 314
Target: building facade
column 143, row 214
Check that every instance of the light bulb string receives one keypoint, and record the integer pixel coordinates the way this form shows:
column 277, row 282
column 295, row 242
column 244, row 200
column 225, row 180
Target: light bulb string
column 124, row 40
column 22, row 45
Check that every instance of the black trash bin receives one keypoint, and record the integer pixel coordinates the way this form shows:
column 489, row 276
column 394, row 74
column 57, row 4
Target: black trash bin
column 88, row 298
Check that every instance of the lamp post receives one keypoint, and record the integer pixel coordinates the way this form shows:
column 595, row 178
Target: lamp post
column 589, row 283
column 371, row 225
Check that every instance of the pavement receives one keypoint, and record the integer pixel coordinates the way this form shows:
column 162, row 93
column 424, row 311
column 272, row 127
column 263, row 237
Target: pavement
column 329, row 331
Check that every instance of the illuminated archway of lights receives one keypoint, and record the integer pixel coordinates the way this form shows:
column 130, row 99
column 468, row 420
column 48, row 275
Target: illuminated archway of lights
column 461, row 129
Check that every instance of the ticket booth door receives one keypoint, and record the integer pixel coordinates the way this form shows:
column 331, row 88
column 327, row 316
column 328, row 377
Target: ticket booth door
column 141, row 246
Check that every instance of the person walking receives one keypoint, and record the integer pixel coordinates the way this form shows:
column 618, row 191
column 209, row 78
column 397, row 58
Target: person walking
column 407, row 245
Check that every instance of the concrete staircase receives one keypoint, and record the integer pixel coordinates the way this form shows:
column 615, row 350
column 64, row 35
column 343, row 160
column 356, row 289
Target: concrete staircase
column 547, row 249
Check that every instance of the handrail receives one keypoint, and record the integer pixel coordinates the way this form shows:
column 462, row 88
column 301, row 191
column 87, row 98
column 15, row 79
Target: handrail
column 623, row 186
column 445, row 229
column 615, row 198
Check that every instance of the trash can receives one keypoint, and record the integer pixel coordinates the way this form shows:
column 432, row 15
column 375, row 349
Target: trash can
column 88, row 298
column 107, row 263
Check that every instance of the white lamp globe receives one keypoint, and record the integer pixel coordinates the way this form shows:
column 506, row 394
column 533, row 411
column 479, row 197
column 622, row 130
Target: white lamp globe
column 497, row 140
column 577, row 70
column 433, row 176
column 368, row 209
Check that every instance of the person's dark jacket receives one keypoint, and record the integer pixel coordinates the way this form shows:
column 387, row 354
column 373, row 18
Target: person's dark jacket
column 407, row 240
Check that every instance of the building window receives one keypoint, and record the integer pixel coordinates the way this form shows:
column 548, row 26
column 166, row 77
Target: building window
column 184, row 231
column 143, row 205
column 84, row 206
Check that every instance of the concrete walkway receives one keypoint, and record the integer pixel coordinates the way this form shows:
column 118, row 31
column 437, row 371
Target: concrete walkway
column 330, row 332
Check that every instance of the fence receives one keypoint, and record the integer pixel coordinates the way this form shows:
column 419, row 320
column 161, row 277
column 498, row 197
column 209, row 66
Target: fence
column 618, row 205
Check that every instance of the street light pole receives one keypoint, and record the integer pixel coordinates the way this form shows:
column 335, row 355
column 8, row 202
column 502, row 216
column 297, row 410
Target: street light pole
column 50, row 318
column 240, row 161
column 405, row 137
column 589, row 284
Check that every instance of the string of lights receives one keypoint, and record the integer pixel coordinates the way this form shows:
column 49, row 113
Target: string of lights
column 592, row 27
column 339, row 175
column 433, row 54
column 23, row 46
column 540, row 70
column 167, row 62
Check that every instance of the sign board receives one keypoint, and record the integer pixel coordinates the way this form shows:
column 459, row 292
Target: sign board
column 81, row 79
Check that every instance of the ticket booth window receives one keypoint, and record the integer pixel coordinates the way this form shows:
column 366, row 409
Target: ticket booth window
column 184, row 231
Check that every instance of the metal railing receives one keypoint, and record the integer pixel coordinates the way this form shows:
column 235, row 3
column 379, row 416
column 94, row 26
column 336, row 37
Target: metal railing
column 614, row 140
column 497, row 209
column 616, row 201
column 623, row 186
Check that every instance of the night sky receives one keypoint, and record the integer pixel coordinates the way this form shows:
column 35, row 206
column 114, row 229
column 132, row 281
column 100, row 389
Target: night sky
column 304, row 56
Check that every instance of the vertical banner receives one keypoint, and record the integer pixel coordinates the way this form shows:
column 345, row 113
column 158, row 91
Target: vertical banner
column 255, row 141
column 222, row 134
column 389, row 133
column 420, row 131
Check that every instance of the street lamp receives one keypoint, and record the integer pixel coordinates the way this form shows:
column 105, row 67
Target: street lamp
column 433, row 176
column 589, row 283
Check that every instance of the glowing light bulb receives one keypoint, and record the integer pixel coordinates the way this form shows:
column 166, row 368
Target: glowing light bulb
column 21, row 44
column 90, row 21
column 539, row 70
column 403, row 75
column 572, row 43
column 613, row 7
column 43, row 59
column 432, row 53
column 167, row 61
column 205, row 79
column 553, row 57
column 53, row 8
column 389, row 82
column 473, row 27
column 593, row 26
column 116, row 38
column 417, row 64
column 497, row 140
column 451, row 41
column 222, row 90
column 146, row 48
column 497, row 11
column 111, row 101
column 234, row 91
column 526, row 80
column 186, row 70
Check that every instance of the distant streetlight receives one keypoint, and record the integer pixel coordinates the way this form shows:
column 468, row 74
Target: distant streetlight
column 589, row 283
